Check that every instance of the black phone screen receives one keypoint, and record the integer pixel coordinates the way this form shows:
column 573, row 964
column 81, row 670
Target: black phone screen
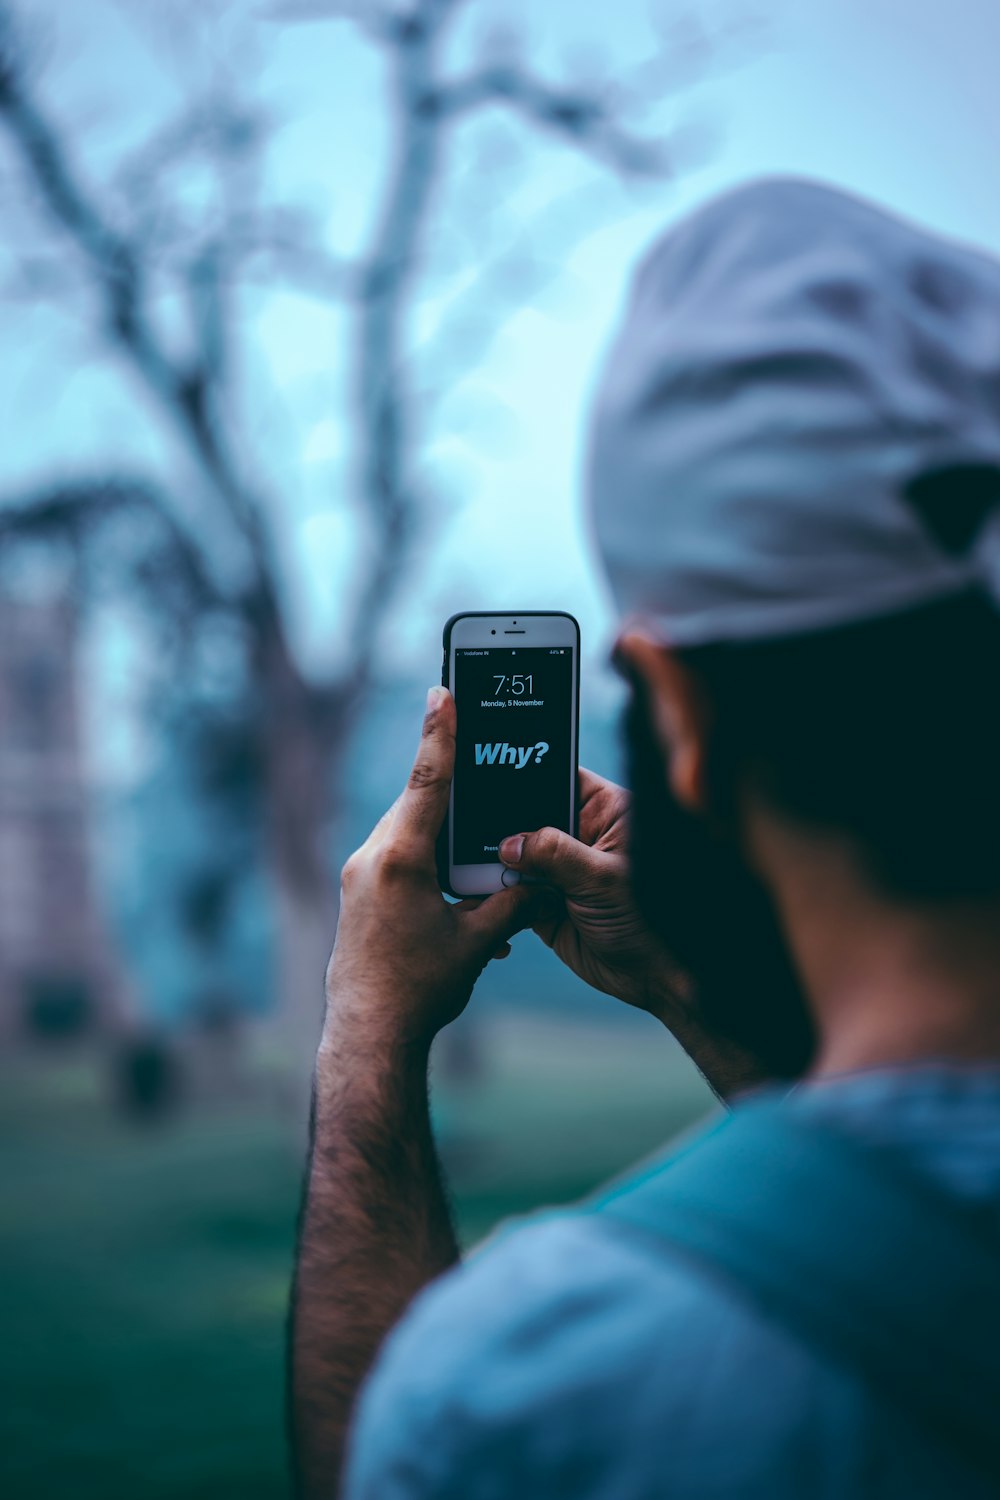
column 514, row 748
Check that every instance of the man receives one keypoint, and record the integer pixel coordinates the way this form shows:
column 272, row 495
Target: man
column 795, row 482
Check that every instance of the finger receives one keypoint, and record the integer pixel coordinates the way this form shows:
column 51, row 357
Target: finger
column 554, row 856
column 422, row 807
column 603, row 809
column 590, row 784
column 594, row 788
column 499, row 917
column 469, row 903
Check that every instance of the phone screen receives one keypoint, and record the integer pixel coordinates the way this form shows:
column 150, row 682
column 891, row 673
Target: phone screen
column 514, row 746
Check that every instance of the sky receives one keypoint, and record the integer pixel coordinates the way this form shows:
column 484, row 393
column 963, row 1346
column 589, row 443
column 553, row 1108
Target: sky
column 895, row 99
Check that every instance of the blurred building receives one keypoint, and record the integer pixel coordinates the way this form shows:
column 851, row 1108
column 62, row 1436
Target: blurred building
column 58, row 977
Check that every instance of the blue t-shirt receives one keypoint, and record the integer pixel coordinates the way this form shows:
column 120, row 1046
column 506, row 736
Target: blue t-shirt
column 570, row 1358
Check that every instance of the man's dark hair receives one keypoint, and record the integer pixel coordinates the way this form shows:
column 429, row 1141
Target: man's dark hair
column 887, row 732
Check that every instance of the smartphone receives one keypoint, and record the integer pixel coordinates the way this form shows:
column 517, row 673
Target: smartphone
column 516, row 683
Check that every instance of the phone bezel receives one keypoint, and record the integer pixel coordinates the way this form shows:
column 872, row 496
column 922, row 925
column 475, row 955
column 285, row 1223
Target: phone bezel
column 473, row 630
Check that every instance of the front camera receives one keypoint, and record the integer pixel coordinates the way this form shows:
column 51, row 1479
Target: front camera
column 492, row 632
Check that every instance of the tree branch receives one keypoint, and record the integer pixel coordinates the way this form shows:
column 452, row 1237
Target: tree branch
column 427, row 107
column 115, row 261
column 380, row 22
column 579, row 117
column 74, row 508
column 533, row 257
column 278, row 240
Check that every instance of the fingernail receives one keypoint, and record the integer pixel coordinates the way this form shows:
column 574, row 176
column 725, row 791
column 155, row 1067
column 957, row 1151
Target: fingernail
column 434, row 696
column 512, row 849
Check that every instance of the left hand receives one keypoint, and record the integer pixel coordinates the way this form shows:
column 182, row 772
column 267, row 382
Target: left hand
column 405, row 959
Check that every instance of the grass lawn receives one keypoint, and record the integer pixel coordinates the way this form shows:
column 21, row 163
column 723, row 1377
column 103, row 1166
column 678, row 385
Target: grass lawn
column 144, row 1272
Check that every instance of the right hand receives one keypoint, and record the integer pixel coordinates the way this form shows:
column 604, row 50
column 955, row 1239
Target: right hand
column 596, row 930
column 598, row 933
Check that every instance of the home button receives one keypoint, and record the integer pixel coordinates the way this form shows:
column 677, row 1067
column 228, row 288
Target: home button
column 510, row 877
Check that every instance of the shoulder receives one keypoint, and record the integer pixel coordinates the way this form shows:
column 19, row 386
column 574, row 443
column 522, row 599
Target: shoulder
column 571, row 1346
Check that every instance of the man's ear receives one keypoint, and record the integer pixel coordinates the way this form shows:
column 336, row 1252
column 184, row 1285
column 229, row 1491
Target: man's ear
column 679, row 713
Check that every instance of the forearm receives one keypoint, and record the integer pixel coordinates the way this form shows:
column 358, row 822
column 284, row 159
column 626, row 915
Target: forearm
column 375, row 1230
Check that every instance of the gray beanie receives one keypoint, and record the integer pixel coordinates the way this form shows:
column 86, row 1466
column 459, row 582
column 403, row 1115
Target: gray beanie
column 794, row 364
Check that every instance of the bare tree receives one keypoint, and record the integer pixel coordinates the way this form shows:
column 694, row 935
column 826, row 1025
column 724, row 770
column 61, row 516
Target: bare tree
column 110, row 247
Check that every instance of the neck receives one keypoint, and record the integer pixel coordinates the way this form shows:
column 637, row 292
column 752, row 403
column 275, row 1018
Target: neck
column 888, row 982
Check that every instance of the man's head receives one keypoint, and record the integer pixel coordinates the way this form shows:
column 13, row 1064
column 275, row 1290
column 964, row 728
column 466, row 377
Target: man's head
column 796, row 487
column 879, row 742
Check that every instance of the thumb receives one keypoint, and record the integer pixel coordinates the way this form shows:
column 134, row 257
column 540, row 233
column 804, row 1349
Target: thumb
column 553, row 856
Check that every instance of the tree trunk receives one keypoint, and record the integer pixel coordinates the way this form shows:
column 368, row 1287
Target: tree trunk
column 305, row 926
column 300, row 753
